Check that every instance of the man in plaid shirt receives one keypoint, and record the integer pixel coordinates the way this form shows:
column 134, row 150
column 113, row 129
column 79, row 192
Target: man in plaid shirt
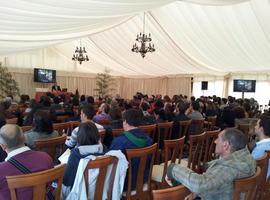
column 216, row 183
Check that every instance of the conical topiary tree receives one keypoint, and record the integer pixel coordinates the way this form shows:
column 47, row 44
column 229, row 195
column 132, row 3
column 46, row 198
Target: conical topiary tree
column 8, row 86
column 105, row 84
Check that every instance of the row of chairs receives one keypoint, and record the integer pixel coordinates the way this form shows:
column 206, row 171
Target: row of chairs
column 201, row 150
column 253, row 187
column 63, row 127
column 55, row 146
column 39, row 180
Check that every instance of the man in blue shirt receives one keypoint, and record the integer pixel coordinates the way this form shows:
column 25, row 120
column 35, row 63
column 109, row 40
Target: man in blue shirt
column 262, row 129
column 132, row 138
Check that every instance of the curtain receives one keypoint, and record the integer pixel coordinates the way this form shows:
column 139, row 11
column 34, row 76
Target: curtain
column 125, row 87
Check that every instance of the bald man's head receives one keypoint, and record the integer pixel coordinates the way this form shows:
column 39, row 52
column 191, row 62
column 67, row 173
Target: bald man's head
column 11, row 135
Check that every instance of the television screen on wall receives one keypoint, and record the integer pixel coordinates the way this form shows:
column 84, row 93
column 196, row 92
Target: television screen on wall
column 244, row 85
column 44, row 75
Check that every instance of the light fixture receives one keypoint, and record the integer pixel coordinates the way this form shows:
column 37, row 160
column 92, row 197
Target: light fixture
column 144, row 42
column 79, row 54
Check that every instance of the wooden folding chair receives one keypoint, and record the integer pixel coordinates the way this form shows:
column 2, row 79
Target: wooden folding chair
column 173, row 154
column 196, row 144
column 61, row 118
column 146, row 156
column 26, row 128
column 211, row 122
column 12, row 120
column 39, row 181
column 263, row 164
column 196, row 127
column 53, row 146
column 74, row 124
column 246, row 186
column 150, row 130
column 265, row 191
column 178, row 192
column 116, row 132
column 104, row 121
column 183, row 129
column 209, row 145
column 61, row 128
column 102, row 163
column 164, row 131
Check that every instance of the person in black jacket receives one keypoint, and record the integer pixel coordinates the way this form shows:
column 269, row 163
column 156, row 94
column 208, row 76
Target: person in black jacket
column 56, row 87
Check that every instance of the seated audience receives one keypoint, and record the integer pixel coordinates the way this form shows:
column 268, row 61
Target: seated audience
column 193, row 111
column 262, row 130
column 56, row 103
column 115, row 123
column 42, row 129
column 87, row 113
column 5, row 109
column 235, row 162
column 103, row 113
column 160, row 115
column 88, row 143
column 12, row 141
column 181, row 108
column 33, row 107
column 132, row 138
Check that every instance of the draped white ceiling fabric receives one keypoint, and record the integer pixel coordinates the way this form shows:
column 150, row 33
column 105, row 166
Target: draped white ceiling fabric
column 191, row 37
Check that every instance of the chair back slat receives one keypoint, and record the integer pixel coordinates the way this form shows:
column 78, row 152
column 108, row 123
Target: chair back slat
column 38, row 181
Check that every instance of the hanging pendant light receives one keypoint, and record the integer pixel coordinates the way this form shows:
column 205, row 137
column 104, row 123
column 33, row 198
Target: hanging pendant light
column 143, row 42
column 80, row 54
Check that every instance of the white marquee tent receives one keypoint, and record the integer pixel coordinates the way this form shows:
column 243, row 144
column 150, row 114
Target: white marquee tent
column 213, row 40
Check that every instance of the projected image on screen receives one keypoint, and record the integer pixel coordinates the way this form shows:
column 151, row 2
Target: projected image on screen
column 244, row 85
column 44, row 75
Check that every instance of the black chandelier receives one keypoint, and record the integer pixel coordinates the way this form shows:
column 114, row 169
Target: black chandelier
column 144, row 41
column 79, row 54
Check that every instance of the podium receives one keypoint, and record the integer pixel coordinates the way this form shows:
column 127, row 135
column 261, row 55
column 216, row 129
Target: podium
column 56, row 93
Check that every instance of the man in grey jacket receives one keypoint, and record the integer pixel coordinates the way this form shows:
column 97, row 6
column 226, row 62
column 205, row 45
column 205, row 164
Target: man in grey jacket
column 217, row 182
